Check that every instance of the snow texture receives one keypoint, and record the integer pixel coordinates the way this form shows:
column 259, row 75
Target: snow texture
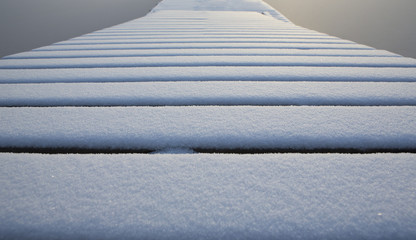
column 210, row 127
column 200, row 52
column 213, row 73
column 197, row 61
column 198, row 196
column 136, row 86
column 221, row 5
column 208, row 93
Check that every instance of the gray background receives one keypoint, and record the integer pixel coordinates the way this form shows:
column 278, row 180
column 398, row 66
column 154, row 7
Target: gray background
column 383, row 24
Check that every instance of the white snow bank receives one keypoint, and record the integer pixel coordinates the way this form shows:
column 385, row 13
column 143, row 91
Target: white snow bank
column 216, row 127
column 208, row 93
column 203, row 52
column 191, row 196
column 187, row 61
column 153, row 74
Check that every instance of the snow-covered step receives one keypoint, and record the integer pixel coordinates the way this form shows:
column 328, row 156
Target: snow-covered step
column 197, row 45
column 210, row 127
column 154, row 74
column 208, row 93
column 203, row 52
column 253, row 6
column 171, row 196
column 136, row 87
column 201, row 40
column 198, row 61
column 205, row 29
column 202, row 33
column 201, row 37
column 204, row 25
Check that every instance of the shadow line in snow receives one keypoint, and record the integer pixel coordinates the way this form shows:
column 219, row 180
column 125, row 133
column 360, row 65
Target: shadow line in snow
column 74, row 150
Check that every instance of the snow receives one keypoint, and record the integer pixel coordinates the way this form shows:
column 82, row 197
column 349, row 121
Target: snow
column 207, row 75
column 214, row 5
column 200, row 32
column 197, row 61
column 203, row 45
column 201, row 196
column 209, row 93
column 210, row 127
column 200, row 37
column 200, row 40
column 201, row 52
column 221, row 5
column 218, row 73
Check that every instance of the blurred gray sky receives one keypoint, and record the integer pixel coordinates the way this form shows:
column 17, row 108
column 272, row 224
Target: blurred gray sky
column 28, row 24
column 383, row 24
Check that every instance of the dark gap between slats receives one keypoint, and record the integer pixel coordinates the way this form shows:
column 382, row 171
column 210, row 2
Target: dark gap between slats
column 204, row 150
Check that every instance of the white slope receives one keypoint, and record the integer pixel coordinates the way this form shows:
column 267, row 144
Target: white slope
column 198, row 196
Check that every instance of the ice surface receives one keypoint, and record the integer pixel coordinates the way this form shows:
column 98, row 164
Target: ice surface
column 210, row 127
column 209, row 93
column 198, row 196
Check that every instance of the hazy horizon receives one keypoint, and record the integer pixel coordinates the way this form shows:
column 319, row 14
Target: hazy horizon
column 382, row 24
